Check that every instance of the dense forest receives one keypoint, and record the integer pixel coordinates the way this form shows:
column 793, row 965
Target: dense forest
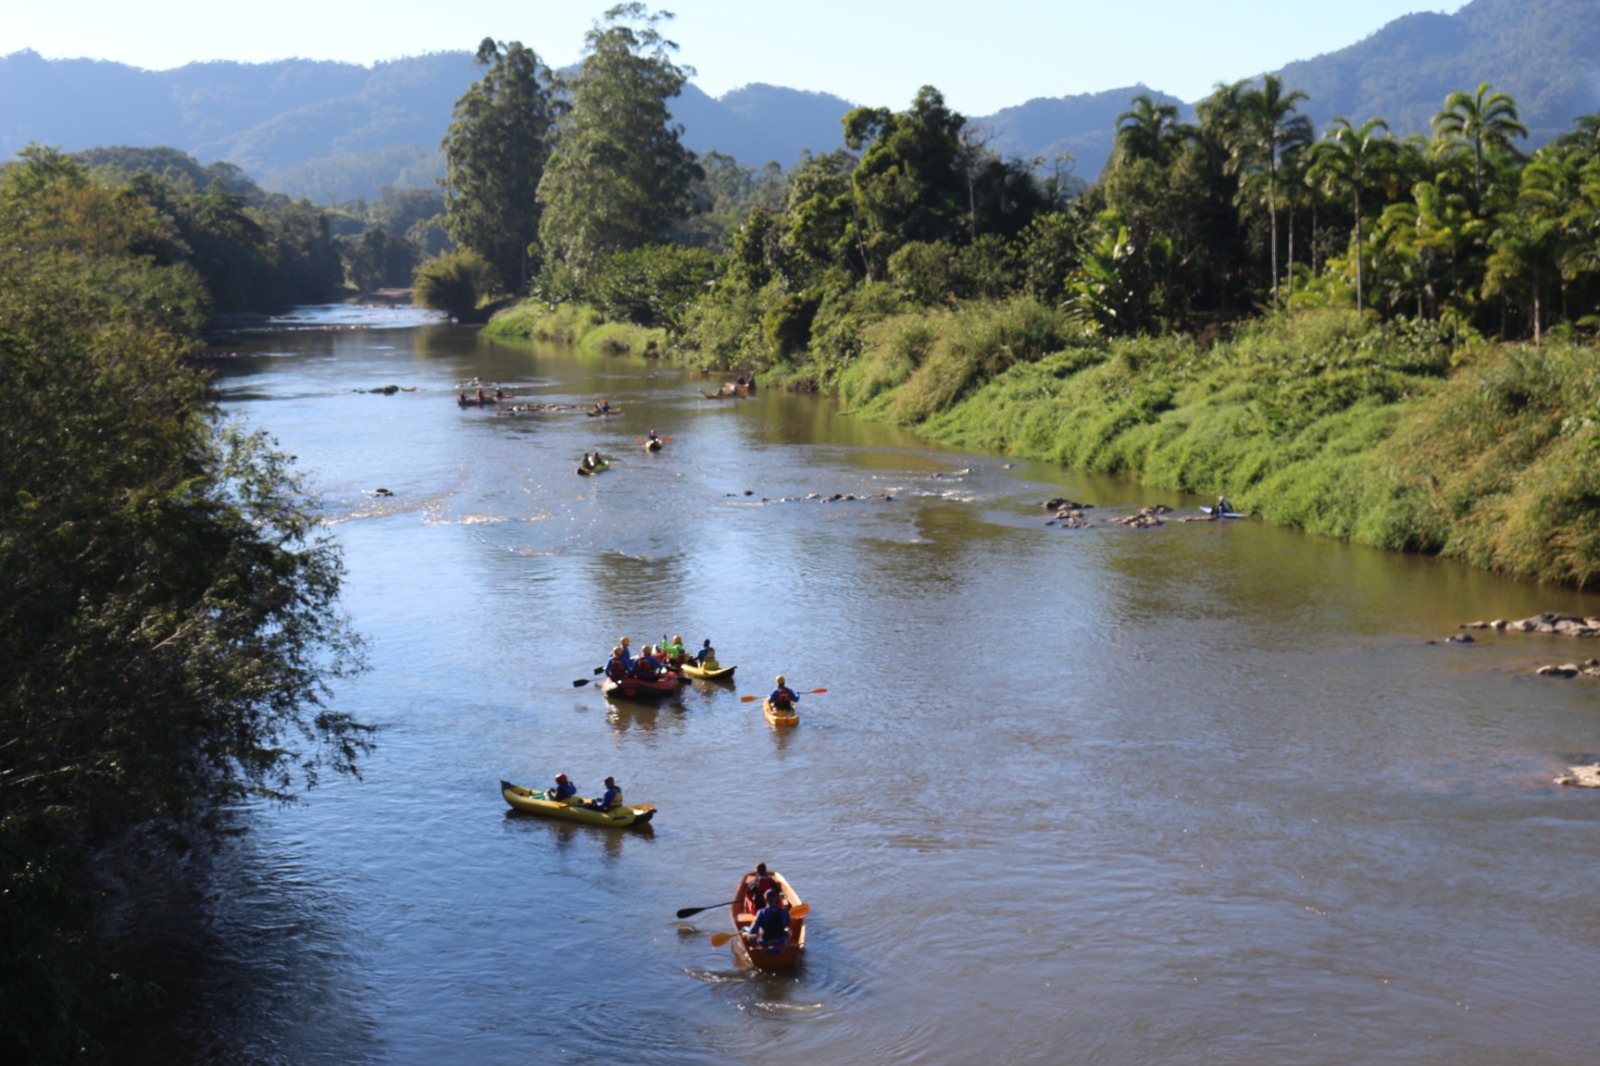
column 169, row 617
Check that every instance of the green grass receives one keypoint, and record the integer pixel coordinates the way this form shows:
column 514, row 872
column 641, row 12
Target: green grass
column 1374, row 433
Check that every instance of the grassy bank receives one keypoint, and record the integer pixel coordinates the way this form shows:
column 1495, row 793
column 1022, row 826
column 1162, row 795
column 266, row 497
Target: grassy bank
column 1376, row 433
column 577, row 325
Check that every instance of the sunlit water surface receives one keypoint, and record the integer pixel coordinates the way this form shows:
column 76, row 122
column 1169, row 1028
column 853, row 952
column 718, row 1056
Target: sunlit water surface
column 1203, row 793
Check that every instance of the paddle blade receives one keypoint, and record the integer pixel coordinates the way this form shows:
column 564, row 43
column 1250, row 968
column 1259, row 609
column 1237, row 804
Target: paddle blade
column 582, row 681
column 818, row 691
column 720, row 939
column 687, row 911
column 800, row 911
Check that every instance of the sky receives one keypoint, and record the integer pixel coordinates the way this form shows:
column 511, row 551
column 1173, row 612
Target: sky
column 983, row 55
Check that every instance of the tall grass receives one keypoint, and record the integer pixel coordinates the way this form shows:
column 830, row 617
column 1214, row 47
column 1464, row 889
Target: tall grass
column 1322, row 421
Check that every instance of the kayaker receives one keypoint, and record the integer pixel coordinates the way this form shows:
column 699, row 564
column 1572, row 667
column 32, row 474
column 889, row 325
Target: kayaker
column 648, row 666
column 707, row 655
column 783, row 697
column 770, row 929
column 562, row 791
column 651, row 437
column 611, row 798
column 757, row 884
column 603, row 407
column 1223, row 506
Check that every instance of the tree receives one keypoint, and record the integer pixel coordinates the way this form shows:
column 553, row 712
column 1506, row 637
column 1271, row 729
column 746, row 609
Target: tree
column 1150, row 130
column 1481, row 121
column 1344, row 161
column 495, row 155
column 454, row 282
column 168, row 602
column 1268, row 128
column 911, row 183
column 620, row 175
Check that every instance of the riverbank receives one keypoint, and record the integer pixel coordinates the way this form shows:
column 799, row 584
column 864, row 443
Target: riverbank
column 1377, row 433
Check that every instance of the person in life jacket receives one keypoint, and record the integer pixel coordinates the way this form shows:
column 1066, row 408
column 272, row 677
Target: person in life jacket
column 675, row 652
column 756, row 886
column 627, row 653
column 783, row 697
column 617, row 667
column 770, row 930
column 648, row 668
column 611, row 799
column 707, row 655
column 562, row 790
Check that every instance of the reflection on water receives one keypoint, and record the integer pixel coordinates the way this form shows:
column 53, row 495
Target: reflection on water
column 1195, row 793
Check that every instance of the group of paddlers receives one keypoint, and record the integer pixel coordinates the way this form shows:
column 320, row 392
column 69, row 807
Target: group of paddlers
column 655, row 660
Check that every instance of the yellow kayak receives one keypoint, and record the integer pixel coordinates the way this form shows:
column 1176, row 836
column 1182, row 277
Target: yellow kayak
column 707, row 673
column 530, row 801
column 777, row 717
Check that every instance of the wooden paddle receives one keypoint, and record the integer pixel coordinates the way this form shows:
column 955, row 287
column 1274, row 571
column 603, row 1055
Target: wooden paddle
column 719, row 939
column 813, row 692
column 687, row 911
column 664, row 440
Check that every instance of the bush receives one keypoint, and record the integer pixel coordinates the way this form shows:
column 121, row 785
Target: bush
column 455, row 283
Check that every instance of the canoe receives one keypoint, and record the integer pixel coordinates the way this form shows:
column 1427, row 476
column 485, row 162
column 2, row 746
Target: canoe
column 531, row 801
column 632, row 688
column 719, row 673
column 785, row 958
column 653, row 445
column 604, row 414
column 585, row 471
column 777, row 717
column 1225, row 514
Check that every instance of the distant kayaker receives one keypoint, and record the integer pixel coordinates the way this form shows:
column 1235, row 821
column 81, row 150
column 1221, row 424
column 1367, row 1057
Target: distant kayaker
column 783, row 697
column 651, row 437
column 602, row 407
column 611, row 798
column 1223, row 506
column 562, row 790
column 707, row 655
column 770, row 929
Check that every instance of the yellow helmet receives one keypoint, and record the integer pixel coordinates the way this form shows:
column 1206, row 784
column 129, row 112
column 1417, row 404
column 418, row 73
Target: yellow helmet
column 624, row 642
column 780, row 679
column 616, row 651
column 677, row 640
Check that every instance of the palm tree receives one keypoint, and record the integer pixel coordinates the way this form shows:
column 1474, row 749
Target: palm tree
column 1486, row 121
column 1268, row 128
column 1149, row 130
column 1344, row 161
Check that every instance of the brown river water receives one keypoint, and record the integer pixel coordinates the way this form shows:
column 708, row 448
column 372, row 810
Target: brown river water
column 1206, row 793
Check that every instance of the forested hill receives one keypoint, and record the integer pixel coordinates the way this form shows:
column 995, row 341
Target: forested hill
column 1544, row 53
column 341, row 130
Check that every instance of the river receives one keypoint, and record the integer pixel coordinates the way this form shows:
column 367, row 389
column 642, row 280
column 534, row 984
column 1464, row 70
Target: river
column 1196, row 794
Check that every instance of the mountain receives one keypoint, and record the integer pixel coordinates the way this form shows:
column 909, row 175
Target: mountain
column 341, row 130
column 1545, row 53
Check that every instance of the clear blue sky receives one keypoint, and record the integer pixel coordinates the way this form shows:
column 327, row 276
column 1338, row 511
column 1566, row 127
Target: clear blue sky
column 982, row 54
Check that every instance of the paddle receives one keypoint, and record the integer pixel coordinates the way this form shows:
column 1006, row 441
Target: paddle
column 747, row 699
column 582, row 681
column 664, row 440
column 719, row 939
column 687, row 911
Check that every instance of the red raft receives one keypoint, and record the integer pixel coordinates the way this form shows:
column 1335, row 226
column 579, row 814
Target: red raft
column 631, row 688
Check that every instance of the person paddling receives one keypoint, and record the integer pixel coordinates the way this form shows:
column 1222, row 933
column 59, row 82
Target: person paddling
column 783, row 697
column 770, row 930
column 562, row 790
column 611, row 799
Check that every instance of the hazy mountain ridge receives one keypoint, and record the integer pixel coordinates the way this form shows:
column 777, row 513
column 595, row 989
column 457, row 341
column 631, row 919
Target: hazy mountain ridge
column 326, row 129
